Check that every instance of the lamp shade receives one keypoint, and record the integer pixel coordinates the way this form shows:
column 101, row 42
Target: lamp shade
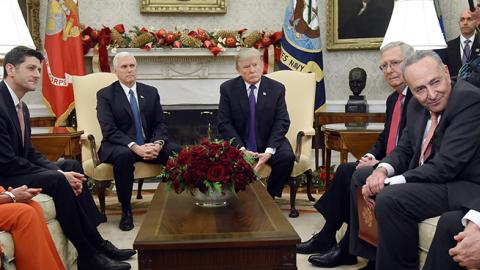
column 14, row 30
column 415, row 22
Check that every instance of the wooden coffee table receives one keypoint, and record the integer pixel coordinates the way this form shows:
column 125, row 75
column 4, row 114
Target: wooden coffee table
column 249, row 233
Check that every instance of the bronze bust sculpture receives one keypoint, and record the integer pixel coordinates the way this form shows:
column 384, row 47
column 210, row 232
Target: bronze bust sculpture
column 357, row 79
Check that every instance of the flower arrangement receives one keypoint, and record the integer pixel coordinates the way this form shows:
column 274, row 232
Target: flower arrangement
column 147, row 38
column 210, row 166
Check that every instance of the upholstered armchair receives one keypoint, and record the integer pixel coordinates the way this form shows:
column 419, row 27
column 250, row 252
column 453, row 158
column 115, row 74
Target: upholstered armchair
column 85, row 90
column 300, row 98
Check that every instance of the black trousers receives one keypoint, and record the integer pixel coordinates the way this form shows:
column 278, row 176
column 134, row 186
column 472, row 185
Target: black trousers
column 448, row 226
column 282, row 165
column 398, row 210
column 334, row 205
column 71, row 215
column 123, row 159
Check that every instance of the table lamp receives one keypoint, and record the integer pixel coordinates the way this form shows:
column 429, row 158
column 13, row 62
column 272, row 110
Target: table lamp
column 415, row 22
column 14, row 30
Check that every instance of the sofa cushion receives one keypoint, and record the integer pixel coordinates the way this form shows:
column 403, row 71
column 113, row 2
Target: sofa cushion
column 426, row 231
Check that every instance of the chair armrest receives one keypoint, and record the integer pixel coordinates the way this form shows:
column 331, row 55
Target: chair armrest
column 309, row 132
column 93, row 150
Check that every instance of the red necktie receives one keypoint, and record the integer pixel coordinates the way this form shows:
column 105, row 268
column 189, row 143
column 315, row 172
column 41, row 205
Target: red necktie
column 394, row 124
column 21, row 120
column 427, row 145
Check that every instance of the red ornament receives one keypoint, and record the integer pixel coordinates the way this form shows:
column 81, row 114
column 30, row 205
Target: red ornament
column 230, row 42
column 214, row 50
column 207, row 43
column 266, row 41
column 202, row 34
column 94, row 34
column 120, row 28
column 177, row 44
column 144, row 30
column 161, row 41
column 161, row 33
column 170, row 38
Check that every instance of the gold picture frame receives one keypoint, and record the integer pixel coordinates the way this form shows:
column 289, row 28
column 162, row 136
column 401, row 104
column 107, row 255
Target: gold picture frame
column 183, row 6
column 33, row 21
column 351, row 28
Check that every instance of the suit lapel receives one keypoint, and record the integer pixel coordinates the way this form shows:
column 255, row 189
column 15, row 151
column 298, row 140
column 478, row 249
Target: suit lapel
column 11, row 110
column 475, row 47
column 261, row 97
column 120, row 96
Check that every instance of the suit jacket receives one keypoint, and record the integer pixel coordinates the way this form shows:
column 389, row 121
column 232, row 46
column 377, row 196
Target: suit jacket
column 17, row 158
column 451, row 55
column 272, row 120
column 455, row 151
column 116, row 120
column 379, row 149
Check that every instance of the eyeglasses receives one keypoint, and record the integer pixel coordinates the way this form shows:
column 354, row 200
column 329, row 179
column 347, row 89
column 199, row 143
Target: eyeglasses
column 393, row 64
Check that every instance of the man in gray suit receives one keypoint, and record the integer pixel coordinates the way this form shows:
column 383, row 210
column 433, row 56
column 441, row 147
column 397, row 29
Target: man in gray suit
column 432, row 170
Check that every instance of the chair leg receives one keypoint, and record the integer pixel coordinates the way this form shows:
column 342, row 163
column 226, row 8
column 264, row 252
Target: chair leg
column 139, row 191
column 293, row 195
column 308, row 174
column 102, row 186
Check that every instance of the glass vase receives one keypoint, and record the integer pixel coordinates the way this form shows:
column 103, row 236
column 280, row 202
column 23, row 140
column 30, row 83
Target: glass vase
column 211, row 198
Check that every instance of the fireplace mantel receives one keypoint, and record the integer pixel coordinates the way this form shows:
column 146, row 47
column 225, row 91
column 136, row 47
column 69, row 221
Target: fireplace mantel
column 182, row 76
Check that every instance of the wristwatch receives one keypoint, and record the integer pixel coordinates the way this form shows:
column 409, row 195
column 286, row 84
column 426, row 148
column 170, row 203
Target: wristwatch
column 386, row 182
column 10, row 194
column 159, row 142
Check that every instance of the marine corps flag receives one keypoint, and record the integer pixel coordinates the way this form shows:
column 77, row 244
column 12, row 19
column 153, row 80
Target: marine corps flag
column 301, row 45
column 63, row 57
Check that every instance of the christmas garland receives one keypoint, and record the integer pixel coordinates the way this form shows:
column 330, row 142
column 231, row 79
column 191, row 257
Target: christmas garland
column 148, row 38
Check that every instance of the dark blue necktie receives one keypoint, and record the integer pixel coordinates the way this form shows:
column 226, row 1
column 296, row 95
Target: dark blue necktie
column 136, row 118
column 252, row 138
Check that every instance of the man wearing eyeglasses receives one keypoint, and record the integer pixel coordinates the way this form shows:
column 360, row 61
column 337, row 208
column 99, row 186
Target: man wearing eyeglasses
column 334, row 205
column 432, row 170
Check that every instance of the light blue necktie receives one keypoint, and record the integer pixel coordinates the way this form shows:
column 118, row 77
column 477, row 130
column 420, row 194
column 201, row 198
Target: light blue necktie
column 136, row 118
column 252, row 138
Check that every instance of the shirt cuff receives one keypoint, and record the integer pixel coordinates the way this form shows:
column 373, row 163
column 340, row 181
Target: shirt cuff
column 397, row 179
column 388, row 167
column 370, row 156
column 242, row 148
column 270, row 150
column 131, row 144
column 473, row 216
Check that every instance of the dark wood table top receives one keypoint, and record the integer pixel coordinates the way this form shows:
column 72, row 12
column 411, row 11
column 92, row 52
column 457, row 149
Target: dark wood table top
column 173, row 221
column 55, row 132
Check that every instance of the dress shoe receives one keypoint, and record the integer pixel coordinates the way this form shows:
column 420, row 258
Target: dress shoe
column 100, row 262
column 333, row 258
column 126, row 222
column 107, row 248
column 370, row 266
column 316, row 244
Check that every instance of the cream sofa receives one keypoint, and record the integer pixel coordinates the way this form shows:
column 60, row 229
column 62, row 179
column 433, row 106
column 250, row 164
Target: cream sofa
column 426, row 231
column 65, row 249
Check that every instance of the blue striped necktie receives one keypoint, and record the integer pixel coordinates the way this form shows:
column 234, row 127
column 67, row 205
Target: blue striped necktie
column 252, row 138
column 136, row 118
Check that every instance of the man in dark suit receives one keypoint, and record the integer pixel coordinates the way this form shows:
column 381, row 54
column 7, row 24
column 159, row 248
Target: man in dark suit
column 456, row 244
column 334, row 205
column 133, row 128
column 433, row 168
column 253, row 112
column 21, row 164
column 457, row 52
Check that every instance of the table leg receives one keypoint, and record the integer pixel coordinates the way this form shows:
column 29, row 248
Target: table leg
column 316, row 143
column 328, row 156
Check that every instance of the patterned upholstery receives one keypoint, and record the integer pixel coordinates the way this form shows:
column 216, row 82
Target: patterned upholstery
column 65, row 249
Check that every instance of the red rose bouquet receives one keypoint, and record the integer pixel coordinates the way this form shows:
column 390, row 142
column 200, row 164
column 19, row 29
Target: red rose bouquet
column 210, row 166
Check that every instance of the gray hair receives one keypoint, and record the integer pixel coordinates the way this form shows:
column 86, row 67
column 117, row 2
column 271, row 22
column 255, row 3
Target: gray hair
column 247, row 53
column 120, row 55
column 419, row 55
column 407, row 49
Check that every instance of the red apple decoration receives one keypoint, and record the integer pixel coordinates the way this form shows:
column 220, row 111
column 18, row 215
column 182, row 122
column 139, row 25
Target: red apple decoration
column 177, row 44
column 230, row 42
column 94, row 34
column 170, row 38
column 161, row 33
